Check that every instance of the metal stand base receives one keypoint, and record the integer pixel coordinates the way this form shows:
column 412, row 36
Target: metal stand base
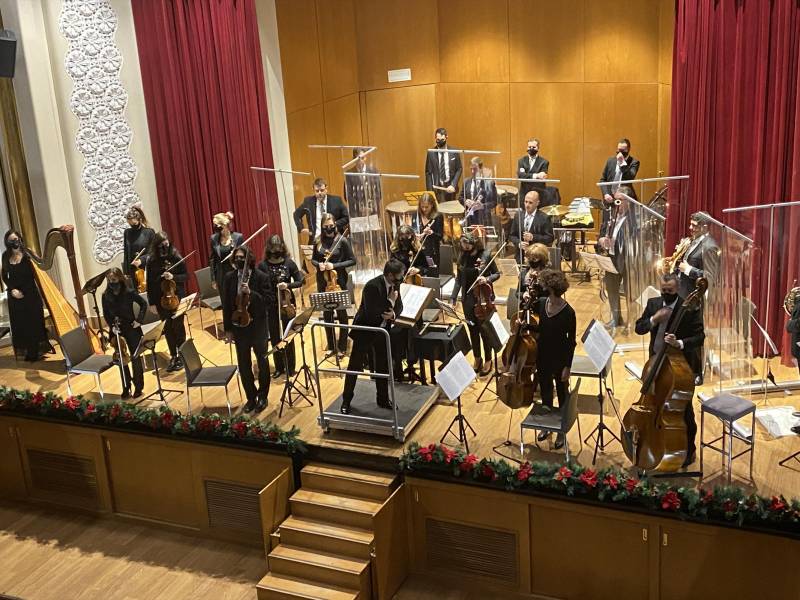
column 795, row 456
column 160, row 392
column 599, row 431
column 463, row 425
column 494, row 377
column 286, row 396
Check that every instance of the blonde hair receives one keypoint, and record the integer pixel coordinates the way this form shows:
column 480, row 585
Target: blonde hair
column 223, row 219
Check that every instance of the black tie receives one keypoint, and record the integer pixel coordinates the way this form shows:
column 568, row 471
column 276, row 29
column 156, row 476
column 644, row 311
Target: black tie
column 442, row 172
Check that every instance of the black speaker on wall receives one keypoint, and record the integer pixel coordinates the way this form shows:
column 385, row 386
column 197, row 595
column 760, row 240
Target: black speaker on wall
column 8, row 52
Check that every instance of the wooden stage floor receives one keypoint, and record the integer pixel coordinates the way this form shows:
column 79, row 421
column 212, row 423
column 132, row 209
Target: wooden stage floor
column 490, row 418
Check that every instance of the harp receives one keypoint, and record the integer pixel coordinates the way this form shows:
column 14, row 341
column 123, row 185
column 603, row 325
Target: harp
column 64, row 317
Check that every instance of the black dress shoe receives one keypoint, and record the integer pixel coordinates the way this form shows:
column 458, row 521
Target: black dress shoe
column 277, row 374
column 385, row 404
column 559, row 441
column 345, row 408
column 250, row 406
column 261, row 404
column 126, row 393
column 178, row 364
column 137, row 392
column 543, row 435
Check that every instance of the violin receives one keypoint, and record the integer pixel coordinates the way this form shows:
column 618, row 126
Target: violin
column 241, row 314
column 654, row 435
column 416, row 279
column 286, row 300
column 122, row 349
column 138, row 274
column 332, row 277
column 169, row 298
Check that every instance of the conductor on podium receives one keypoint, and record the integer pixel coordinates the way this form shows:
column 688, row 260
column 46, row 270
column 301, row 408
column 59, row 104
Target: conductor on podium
column 380, row 304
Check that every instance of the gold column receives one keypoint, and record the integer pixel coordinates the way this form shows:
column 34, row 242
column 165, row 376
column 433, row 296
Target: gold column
column 16, row 184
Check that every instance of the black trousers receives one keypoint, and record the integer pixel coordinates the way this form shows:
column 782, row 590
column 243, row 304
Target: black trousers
column 174, row 331
column 370, row 350
column 341, row 316
column 247, row 343
column 277, row 325
column 547, row 376
column 691, row 428
column 613, row 282
column 130, row 337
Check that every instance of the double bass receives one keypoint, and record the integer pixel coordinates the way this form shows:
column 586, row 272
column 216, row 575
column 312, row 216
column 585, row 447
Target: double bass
column 517, row 380
column 654, row 435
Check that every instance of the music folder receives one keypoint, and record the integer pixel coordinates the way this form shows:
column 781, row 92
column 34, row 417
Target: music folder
column 415, row 299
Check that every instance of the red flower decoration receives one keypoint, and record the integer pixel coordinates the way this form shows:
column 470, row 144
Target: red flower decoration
column 562, row 474
column 426, row 453
column 670, row 500
column 185, row 426
column 470, row 460
column 777, row 504
column 449, row 454
column 707, row 496
column 90, row 408
column 488, row 472
column 630, row 484
column 239, row 429
column 168, row 419
column 114, row 412
column 524, row 472
column 56, row 403
column 729, row 506
column 38, row 399
column 589, row 478
column 273, row 435
column 611, row 481
column 71, row 403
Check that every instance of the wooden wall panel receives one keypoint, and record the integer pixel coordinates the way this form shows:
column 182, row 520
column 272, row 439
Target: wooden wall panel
column 473, row 42
column 337, row 46
column 12, row 475
column 477, row 117
column 342, row 126
column 666, row 34
column 297, row 33
column 397, row 35
column 307, row 127
column 621, row 40
column 664, row 104
column 546, row 40
column 553, row 113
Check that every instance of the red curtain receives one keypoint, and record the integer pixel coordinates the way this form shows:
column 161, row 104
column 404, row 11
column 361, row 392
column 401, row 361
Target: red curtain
column 207, row 115
column 736, row 128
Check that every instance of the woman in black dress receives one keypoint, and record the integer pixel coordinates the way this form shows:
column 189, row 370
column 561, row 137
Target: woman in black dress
column 556, row 342
column 119, row 313
column 471, row 262
column 137, row 237
column 223, row 241
column 428, row 224
column 284, row 274
column 25, row 306
column 404, row 248
column 163, row 255
column 339, row 261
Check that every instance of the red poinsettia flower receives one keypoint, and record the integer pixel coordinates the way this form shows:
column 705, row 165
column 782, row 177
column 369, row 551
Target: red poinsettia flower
column 562, row 474
column 729, row 506
column 72, row 403
column 90, row 408
column 630, row 484
column 114, row 412
column 777, row 504
column 38, row 399
column 185, row 426
column 524, row 472
column 589, row 478
column 273, row 435
column 611, row 481
column 470, row 460
column 449, row 454
column 670, row 500
column 56, row 403
column 426, row 453
column 488, row 472
column 168, row 419
column 239, row 429
column 127, row 416
column 706, row 496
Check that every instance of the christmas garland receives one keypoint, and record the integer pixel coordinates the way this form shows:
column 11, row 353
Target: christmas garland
column 158, row 420
column 728, row 504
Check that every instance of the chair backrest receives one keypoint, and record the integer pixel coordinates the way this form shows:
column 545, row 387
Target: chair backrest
column 512, row 303
column 191, row 359
column 75, row 347
column 351, row 287
column 445, row 259
column 569, row 414
column 203, row 277
column 435, row 284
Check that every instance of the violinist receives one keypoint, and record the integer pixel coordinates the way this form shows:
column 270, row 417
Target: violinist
column 380, row 303
column 557, row 326
column 136, row 238
column 223, row 241
column 537, row 258
column 689, row 336
column 119, row 312
column 472, row 260
column 341, row 257
column 284, row 276
column 428, row 224
column 405, row 249
column 245, row 294
column 163, row 255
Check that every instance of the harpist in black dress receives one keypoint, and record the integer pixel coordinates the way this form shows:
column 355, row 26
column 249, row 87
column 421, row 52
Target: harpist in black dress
column 25, row 306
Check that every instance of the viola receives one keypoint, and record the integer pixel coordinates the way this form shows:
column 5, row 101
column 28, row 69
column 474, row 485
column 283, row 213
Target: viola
column 241, row 314
column 654, row 435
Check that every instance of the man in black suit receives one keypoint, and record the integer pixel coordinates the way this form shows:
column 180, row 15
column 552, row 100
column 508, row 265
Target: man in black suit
column 480, row 191
column 530, row 227
column 702, row 257
column 614, row 228
column 253, row 337
column 380, row 304
column 443, row 169
column 657, row 320
column 313, row 207
column 362, row 189
column 532, row 166
column 621, row 167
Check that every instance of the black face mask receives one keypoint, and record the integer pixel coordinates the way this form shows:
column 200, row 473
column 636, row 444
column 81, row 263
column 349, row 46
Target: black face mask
column 440, row 143
column 329, row 229
column 405, row 242
column 623, row 152
column 13, row 244
column 163, row 250
column 136, row 226
column 218, row 228
column 535, row 265
column 115, row 287
column 239, row 262
column 275, row 253
column 533, row 151
column 669, row 298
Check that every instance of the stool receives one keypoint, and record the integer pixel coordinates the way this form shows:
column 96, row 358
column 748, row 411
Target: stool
column 728, row 409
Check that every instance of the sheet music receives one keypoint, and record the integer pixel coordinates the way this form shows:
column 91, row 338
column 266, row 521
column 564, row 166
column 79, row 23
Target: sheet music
column 499, row 328
column 456, row 376
column 599, row 345
column 778, row 420
column 289, row 326
column 507, row 266
column 148, row 327
column 414, row 298
column 600, row 262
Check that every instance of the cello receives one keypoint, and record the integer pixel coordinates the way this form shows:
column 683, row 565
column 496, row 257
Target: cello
column 654, row 435
column 517, row 380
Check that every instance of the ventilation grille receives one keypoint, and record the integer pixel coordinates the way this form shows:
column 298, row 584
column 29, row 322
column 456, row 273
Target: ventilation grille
column 465, row 550
column 234, row 506
column 64, row 477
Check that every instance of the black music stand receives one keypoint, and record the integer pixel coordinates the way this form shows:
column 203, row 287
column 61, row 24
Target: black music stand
column 334, row 301
column 463, row 425
column 300, row 321
column 148, row 342
column 293, row 329
column 90, row 287
column 454, row 386
column 497, row 347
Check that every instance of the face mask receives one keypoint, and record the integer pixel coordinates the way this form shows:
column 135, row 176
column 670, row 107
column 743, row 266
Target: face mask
column 115, row 286
column 163, row 250
column 669, row 298
column 329, row 229
column 405, row 241
column 239, row 262
column 535, row 264
column 275, row 253
column 136, row 226
column 533, row 151
column 218, row 228
column 13, row 244
column 624, row 153
column 440, row 143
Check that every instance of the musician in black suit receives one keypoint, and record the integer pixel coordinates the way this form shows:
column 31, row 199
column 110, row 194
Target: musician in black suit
column 702, row 257
column 532, row 166
column 362, row 189
column 253, row 337
column 478, row 196
column 380, row 304
column 163, row 263
column 530, row 226
column 657, row 320
column 136, row 238
column 617, row 222
column 443, row 169
column 314, row 207
column 620, row 167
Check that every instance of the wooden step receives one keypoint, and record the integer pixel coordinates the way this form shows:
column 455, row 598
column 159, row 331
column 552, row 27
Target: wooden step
column 318, row 535
column 320, row 567
column 346, row 480
column 334, row 508
column 282, row 587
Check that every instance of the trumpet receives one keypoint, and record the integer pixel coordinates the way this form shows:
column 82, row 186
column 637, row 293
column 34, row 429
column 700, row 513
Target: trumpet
column 790, row 300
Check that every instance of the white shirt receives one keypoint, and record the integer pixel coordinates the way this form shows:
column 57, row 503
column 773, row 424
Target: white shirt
column 532, row 161
column 618, row 176
column 322, row 208
column 529, row 219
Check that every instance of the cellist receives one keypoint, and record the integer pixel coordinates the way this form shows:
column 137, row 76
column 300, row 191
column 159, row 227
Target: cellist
column 339, row 260
column 252, row 337
column 472, row 260
column 163, row 255
column 689, row 336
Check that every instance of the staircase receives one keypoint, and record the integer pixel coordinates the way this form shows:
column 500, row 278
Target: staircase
column 325, row 544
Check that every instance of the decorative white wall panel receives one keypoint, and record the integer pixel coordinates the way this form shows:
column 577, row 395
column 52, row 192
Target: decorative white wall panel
column 98, row 100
